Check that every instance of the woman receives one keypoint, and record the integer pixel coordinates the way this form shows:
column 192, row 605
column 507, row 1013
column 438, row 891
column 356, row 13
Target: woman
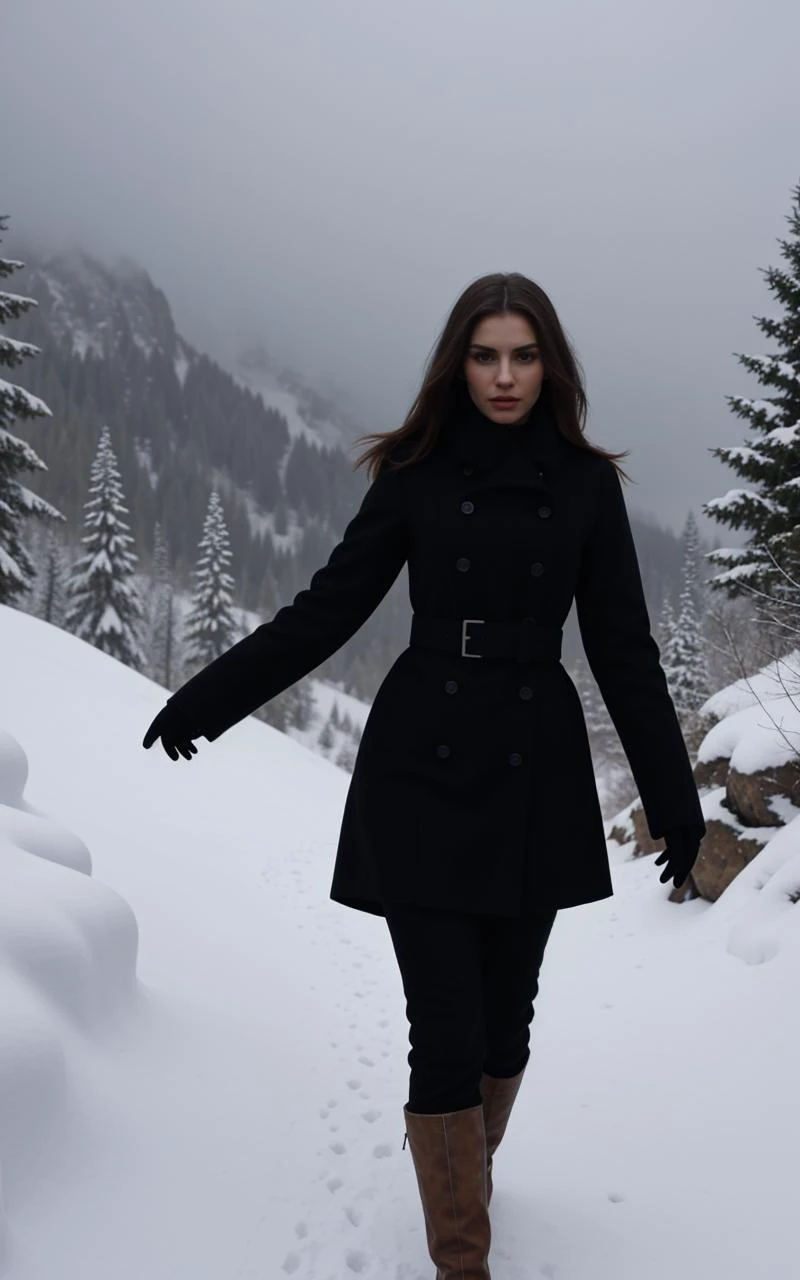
column 472, row 814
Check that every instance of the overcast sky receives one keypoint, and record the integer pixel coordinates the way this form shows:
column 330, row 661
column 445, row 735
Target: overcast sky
column 326, row 176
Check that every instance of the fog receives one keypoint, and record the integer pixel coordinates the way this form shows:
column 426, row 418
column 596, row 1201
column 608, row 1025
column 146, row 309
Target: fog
column 326, row 177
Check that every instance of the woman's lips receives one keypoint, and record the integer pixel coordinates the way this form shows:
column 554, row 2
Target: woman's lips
column 504, row 402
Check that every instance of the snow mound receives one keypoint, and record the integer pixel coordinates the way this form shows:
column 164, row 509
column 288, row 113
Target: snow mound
column 755, row 737
column 779, row 679
column 68, row 949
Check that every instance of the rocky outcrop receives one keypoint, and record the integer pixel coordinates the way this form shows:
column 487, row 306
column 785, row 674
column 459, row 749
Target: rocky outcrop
column 747, row 773
column 711, row 773
column 751, row 795
column 727, row 847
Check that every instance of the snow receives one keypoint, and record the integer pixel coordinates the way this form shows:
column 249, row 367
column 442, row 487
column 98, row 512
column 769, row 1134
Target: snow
column 735, row 497
column 259, row 374
column 18, row 397
column 784, row 435
column 769, row 409
column 9, row 567
column 203, row 1060
column 756, row 738
column 775, row 680
column 769, row 365
column 262, row 522
column 325, row 694
column 17, row 349
column 32, row 502
column 743, row 453
column 17, row 298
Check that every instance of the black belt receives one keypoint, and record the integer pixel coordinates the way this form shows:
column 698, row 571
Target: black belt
column 524, row 641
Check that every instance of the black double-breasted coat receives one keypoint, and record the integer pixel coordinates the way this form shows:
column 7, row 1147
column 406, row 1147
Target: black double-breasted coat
column 473, row 787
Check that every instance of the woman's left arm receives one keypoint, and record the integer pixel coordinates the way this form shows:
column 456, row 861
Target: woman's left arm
column 625, row 660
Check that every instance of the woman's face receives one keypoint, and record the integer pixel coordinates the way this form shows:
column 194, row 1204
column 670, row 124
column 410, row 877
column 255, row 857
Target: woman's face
column 503, row 361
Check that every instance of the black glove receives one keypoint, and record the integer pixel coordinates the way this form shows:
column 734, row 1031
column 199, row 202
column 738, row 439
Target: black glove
column 680, row 854
column 175, row 734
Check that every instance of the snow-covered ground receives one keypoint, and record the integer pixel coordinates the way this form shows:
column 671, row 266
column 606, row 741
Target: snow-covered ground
column 203, row 1059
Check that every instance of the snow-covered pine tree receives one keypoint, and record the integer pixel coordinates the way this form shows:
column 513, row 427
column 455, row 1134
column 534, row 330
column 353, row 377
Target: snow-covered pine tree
column 664, row 632
column 694, row 563
column 46, row 596
column 210, row 626
column 103, row 603
column 688, row 676
column 162, row 613
column 598, row 723
column 666, row 629
column 346, row 757
column 301, row 703
column 51, row 593
column 17, row 570
column 291, row 709
column 769, row 507
column 326, row 737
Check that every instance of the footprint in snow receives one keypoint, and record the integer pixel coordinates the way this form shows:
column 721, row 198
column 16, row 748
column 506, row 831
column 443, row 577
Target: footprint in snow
column 356, row 1260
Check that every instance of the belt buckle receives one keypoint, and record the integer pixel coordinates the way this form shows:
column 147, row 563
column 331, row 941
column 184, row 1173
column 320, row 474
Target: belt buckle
column 464, row 624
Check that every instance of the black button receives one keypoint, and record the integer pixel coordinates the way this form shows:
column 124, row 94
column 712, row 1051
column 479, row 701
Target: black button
column 468, row 507
column 451, row 686
column 515, row 758
column 537, row 568
column 443, row 751
column 462, row 563
column 544, row 512
column 525, row 691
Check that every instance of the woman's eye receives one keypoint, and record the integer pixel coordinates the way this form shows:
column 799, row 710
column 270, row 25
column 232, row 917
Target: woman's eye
column 527, row 357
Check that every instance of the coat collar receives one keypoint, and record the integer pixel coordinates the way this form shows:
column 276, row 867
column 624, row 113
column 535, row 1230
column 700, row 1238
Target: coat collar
column 532, row 458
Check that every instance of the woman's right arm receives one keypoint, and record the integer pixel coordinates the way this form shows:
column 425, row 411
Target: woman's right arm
column 340, row 597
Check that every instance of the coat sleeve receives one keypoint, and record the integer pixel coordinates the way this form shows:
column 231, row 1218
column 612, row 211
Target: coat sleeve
column 625, row 660
column 338, row 600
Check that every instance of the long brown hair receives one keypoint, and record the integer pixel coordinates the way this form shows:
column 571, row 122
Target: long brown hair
column 495, row 294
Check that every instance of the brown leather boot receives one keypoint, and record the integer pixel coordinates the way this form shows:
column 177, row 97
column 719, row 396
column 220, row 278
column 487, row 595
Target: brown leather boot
column 498, row 1099
column 449, row 1153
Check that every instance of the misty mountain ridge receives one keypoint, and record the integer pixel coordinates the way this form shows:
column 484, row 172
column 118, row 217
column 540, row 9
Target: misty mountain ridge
column 181, row 423
column 94, row 307
column 274, row 448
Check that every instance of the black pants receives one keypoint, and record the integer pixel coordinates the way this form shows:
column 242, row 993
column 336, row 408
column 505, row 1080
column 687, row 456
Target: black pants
column 470, row 982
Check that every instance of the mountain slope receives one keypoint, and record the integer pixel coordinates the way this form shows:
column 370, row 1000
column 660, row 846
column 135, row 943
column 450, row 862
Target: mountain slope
column 232, row 1107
